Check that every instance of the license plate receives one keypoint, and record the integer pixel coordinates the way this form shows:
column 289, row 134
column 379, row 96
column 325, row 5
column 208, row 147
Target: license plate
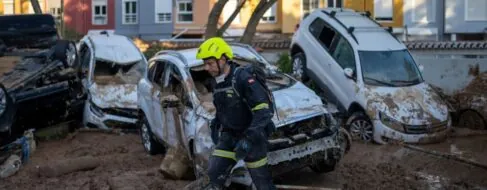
column 301, row 150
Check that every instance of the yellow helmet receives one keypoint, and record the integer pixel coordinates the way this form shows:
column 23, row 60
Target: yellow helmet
column 214, row 47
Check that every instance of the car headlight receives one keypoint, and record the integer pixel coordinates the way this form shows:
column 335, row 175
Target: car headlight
column 3, row 101
column 391, row 122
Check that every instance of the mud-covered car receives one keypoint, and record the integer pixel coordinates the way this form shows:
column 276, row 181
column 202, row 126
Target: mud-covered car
column 370, row 75
column 111, row 66
column 39, row 75
column 176, row 106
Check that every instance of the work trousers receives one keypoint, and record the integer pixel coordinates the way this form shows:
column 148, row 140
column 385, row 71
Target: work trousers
column 223, row 160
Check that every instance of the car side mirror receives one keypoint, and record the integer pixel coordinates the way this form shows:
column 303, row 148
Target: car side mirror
column 349, row 73
column 170, row 101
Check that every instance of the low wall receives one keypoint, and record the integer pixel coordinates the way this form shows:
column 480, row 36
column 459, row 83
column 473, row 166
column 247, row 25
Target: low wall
column 451, row 74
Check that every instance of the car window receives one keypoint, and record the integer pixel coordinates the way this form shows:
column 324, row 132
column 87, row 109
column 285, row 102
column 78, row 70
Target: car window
column 174, row 84
column 343, row 54
column 322, row 32
column 152, row 70
column 159, row 73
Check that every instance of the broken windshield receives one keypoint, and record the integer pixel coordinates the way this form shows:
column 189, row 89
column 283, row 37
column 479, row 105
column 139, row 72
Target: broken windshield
column 389, row 68
column 112, row 73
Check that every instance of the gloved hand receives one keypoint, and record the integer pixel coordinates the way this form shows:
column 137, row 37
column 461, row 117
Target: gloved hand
column 215, row 128
column 242, row 148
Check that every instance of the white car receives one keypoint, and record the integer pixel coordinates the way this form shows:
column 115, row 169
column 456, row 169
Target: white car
column 370, row 75
column 176, row 107
column 112, row 66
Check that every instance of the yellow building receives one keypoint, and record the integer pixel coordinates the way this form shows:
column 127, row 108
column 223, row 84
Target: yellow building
column 8, row 7
column 284, row 15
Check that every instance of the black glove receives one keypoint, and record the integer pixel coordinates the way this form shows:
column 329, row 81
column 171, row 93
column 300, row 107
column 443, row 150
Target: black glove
column 215, row 129
column 242, row 149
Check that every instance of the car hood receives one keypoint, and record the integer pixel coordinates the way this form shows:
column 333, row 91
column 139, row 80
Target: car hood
column 411, row 105
column 118, row 96
column 296, row 103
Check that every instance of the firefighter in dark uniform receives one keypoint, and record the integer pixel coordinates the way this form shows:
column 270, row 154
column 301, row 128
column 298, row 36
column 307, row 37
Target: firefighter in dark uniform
column 242, row 119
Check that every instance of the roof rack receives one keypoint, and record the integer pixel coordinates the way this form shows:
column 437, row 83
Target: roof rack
column 351, row 29
column 332, row 15
column 173, row 53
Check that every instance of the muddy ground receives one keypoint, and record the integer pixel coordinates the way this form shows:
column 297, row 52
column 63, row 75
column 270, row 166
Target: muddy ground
column 125, row 165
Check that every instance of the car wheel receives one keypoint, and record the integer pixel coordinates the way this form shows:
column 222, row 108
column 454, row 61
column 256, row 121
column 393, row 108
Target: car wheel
column 299, row 66
column 471, row 119
column 150, row 144
column 65, row 51
column 323, row 165
column 360, row 127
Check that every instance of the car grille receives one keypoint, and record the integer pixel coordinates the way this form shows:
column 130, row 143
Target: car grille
column 425, row 129
column 123, row 112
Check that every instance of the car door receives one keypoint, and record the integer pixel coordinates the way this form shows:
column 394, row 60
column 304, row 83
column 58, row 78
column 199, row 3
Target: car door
column 343, row 57
column 320, row 58
column 157, row 115
column 85, row 58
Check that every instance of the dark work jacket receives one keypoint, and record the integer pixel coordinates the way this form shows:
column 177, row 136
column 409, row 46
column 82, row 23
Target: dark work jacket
column 236, row 114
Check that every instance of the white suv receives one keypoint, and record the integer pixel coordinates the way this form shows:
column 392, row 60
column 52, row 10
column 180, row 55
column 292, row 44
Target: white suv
column 370, row 75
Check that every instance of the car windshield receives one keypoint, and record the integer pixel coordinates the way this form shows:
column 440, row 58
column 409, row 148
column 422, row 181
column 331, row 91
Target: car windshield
column 112, row 73
column 389, row 68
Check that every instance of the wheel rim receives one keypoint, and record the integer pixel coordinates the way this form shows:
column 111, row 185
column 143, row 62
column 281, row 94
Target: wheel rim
column 70, row 55
column 298, row 68
column 361, row 129
column 146, row 137
column 471, row 119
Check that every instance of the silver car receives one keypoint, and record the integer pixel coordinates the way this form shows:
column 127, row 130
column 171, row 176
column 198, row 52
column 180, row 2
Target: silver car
column 176, row 107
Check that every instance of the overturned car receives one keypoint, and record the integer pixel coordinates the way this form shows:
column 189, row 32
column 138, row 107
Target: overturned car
column 39, row 75
column 176, row 106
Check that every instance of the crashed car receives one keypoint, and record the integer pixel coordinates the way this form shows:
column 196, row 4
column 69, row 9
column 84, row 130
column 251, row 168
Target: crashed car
column 111, row 66
column 39, row 75
column 470, row 104
column 176, row 106
column 370, row 75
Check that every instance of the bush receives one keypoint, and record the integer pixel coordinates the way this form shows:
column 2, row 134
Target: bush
column 284, row 63
column 153, row 49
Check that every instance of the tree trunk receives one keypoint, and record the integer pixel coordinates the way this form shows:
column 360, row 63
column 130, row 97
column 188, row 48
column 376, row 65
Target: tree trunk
column 254, row 20
column 216, row 11
column 225, row 26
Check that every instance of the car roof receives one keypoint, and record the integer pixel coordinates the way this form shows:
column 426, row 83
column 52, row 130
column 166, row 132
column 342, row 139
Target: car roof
column 238, row 49
column 369, row 35
column 115, row 48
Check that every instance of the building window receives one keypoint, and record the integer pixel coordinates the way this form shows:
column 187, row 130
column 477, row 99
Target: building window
column 335, row 3
column 270, row 15
column 163, row 11
column 309, row 6
column 129, row 13
column 228, row 10
column 8, row 7
column 475, row 10
column 423, row 11
column 56, row 13
column 185, row 11
column 99, row 12
column 383, row 10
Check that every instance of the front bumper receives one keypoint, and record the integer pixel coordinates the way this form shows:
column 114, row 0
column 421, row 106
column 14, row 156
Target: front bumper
column 382, row 131
column 104, row 120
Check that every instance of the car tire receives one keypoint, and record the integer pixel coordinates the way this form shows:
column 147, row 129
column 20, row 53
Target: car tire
column 65, row 51
column 299, row 67
column 151, row 146
column 472, row 120
column 323, row 165
column 360, row 127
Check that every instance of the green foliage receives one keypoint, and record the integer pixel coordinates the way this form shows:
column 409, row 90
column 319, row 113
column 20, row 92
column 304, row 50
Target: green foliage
column 284, row 63
column 152, row 50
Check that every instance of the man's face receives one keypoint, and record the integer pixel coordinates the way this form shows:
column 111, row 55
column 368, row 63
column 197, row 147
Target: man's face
column 211, row 66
